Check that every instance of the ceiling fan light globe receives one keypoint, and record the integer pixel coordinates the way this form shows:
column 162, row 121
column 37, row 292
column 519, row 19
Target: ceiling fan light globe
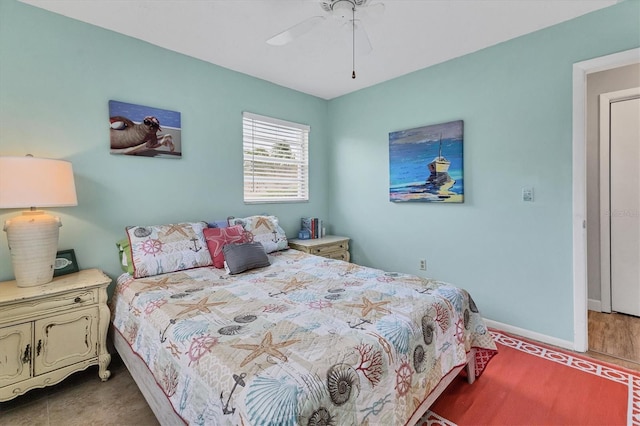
column 342, row 9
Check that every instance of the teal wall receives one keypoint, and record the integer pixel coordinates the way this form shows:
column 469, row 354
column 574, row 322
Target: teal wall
column 516, row 102
column 56, row 78
column 57, row 75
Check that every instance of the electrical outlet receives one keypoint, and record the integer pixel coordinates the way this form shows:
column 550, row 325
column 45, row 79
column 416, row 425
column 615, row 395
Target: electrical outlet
column 423, row 264
column 527, row 193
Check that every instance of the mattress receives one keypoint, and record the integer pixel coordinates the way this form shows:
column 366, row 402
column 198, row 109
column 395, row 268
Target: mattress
column 306, row 340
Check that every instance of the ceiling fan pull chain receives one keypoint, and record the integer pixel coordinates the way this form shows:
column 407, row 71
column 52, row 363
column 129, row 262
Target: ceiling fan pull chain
column 353, row 33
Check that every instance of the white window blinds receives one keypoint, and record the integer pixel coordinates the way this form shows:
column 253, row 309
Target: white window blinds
column 276, row 160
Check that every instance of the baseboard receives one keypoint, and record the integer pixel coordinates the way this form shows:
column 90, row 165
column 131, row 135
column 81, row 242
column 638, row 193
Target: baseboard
column 565, row 344
column 594, row 305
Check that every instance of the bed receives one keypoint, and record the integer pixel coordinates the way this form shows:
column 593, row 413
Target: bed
column 304, row 340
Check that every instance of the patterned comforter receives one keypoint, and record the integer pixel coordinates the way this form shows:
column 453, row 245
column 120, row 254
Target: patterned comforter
column 307, row 340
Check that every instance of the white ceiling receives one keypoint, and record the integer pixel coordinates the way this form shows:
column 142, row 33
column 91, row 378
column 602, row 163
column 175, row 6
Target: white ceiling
column 409, row 35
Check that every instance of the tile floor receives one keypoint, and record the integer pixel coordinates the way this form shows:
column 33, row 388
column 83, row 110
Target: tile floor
column 82, row 399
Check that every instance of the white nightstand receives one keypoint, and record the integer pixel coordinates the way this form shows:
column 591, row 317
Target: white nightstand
column 48, row 332
column 331, row 246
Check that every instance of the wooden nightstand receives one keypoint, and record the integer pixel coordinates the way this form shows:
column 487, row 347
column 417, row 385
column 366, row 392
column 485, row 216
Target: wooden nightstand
column 48, row 332
column 330, row 246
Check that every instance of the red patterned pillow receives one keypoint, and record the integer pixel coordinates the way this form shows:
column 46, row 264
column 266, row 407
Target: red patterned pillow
column 219, row 237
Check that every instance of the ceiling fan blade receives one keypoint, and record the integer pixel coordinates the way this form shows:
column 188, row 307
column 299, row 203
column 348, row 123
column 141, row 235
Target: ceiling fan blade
column 375, row 9
column 287, row 36
column 363, row 44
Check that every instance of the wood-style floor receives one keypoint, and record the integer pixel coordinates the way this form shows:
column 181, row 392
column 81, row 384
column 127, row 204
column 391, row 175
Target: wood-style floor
column 83, row 399
column 615, row 338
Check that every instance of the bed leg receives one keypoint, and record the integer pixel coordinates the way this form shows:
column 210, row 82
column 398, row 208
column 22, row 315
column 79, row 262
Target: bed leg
column 471, row 369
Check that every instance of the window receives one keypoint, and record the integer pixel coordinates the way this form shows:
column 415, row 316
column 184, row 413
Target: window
column 276, row 160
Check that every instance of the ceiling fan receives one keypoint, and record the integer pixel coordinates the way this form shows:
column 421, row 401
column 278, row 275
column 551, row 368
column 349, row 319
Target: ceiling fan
column 343, row 11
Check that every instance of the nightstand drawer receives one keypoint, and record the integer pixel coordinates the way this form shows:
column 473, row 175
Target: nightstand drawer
column 52, row 303
column 326, row 249
column 341, row 255
column 331, row 246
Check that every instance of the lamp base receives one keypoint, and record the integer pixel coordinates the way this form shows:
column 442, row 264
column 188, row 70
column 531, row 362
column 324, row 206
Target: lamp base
column 33, row 243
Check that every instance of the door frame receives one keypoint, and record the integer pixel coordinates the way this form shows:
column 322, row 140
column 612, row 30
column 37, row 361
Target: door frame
column 579, row 184
column 606, row 99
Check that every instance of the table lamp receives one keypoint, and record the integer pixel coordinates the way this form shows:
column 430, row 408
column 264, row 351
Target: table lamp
column 33, row 236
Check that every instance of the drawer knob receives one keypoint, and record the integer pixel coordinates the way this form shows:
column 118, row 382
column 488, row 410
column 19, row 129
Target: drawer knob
column 77, row 299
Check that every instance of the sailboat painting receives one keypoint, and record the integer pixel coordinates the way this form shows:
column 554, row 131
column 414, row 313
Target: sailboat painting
column 425, row 164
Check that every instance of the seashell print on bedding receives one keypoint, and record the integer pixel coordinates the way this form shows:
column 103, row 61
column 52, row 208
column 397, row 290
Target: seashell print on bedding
column 363, row 358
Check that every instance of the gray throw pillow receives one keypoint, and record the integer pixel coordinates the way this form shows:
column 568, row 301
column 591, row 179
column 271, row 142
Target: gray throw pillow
column 243, row 257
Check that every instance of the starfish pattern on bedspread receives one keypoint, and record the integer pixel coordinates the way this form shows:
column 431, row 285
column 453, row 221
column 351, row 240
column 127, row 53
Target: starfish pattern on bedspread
column 200, row 306
column 294, row 284
column 256, row 339
column 367, row 306
column 266, row 346
column 350, row 268
column 160, row 284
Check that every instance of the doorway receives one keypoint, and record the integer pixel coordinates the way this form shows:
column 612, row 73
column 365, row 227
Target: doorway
column 620, row 201
column 579, row 179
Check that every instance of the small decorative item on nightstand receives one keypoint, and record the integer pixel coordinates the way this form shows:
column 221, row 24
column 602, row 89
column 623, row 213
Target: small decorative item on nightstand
column 65, row 263
column 304, row 234
column 331, row 246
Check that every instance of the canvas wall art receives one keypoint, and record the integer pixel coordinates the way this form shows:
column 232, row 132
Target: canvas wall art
column 425, row 164
column 144, row 131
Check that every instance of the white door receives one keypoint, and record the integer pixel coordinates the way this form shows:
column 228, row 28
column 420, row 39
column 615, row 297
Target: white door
column 619, row 188
column 624, row 209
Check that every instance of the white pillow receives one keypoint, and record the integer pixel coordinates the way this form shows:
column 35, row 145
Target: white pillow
column 167, row 248
column 265, row 230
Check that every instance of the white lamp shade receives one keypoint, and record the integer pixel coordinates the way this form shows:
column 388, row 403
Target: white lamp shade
column 36, row 182
column 33, row 236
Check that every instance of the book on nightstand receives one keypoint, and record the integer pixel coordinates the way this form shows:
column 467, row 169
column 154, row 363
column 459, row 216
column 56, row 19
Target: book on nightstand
column 313, row 225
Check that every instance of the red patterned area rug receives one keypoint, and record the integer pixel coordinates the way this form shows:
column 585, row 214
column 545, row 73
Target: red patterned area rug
column 530, row 384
